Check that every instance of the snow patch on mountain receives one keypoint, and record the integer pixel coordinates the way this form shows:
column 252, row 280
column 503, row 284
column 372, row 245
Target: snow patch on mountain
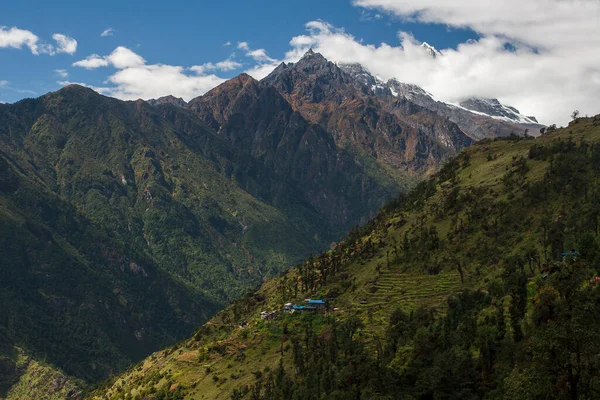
column 467, row 114
column 432, row 51
column 495, row 109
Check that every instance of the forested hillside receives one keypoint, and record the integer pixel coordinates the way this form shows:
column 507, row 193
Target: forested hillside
column 481, row 283
column 124, row 226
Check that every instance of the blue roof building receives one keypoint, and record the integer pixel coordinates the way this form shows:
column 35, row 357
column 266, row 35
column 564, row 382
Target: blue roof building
column 304, row 308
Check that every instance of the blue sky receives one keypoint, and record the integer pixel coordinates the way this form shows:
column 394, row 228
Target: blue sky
column 180, row 33
column 542, row 57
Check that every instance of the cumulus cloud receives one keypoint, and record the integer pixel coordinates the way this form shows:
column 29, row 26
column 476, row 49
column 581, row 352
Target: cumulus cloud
column 151, row 81
column 108, row 32
column 62, row 73
column 135, row 79
column 65, row 44
column 260, row 55
column 18, row 38
column 225, row 65
column 121, row 57
column 264, row 64
column 541, row 56
column 92, row 62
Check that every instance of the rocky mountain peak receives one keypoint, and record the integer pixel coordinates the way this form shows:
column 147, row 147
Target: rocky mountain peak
column 74, row 89
column 494, row 108
column 362, row 76
column 177, row 101
column 478, row 117
column 233, row 86
column 433, row 52
column 311, row 59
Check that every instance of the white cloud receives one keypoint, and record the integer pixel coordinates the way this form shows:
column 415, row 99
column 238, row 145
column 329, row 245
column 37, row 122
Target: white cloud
column 17, row 38
column 92, row 62
column 65, row 44
column 265, row 64
column 228, row 65
column 135, row 79
column 108, row 32
column 366, row 16
column 260, row 55
column 225, row 65
column 554, row 68
column 121, row 57
column 62, row 73
column 260, row 71
column 152, row 81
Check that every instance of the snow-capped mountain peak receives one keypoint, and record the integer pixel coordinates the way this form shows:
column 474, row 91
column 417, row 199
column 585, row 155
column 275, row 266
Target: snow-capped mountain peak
column 432, row 51
column 364, row 77
column 478, row 117
column 495, row 109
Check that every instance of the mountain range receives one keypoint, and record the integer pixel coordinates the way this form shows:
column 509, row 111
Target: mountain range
column 125, row 225
column 481, row 283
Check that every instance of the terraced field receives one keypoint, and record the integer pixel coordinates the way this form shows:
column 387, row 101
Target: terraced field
column 408, row 290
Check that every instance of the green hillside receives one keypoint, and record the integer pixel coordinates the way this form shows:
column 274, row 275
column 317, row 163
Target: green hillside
column 478, row 284
column 125, row 226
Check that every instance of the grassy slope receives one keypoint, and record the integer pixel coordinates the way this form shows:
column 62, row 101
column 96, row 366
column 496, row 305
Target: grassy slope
column 490, row 223
column 79, row 229
column 35, row 379
column 69, row 229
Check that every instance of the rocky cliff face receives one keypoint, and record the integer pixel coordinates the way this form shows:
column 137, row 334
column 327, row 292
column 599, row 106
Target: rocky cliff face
column 494, row 108
column 125, row 225
column 478, row 118
column 253, row 116
column 177, row 101
column 397, row 133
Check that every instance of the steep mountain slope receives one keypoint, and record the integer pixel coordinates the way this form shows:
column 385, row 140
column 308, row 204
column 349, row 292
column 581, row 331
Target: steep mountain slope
column 125, row 225
column 177, row 101
column 495, row 109
column 73, row 294
column 465, row 289
column 255, row 117
column 398, row 134
column 478, row 118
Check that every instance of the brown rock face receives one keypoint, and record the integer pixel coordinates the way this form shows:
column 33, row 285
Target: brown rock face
column 396, row 132
column 255, row 117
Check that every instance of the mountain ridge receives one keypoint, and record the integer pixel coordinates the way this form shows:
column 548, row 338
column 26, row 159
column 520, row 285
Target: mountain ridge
column 449, row 292
column 403, row 135
column 151, row 216
column 125, row 209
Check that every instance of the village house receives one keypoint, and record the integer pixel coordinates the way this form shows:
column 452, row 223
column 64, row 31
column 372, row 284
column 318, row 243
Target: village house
column 311, row 305
column 268, row 315
column 318, row 304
